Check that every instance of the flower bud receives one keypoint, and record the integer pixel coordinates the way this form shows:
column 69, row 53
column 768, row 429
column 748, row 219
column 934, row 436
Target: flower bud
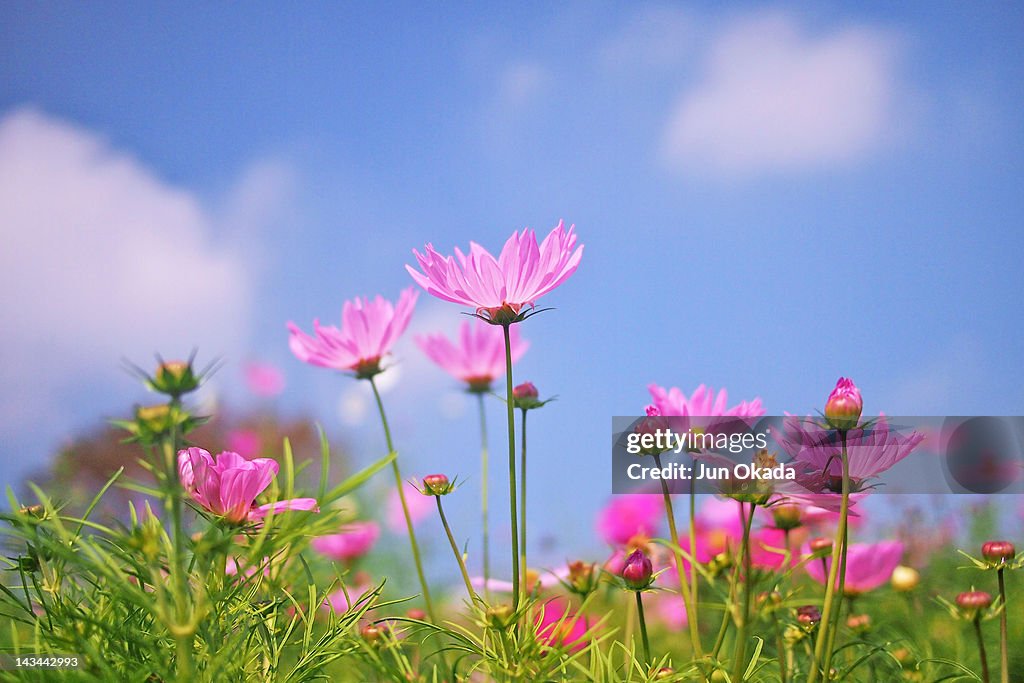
column 859, row 623
column 174, row 378
column 638, row 573
column 664, row 672
column 500, row 616
column 416, row 614
column 808, row 615
column 998, row 552
column 372, row 633
column 582, row 577
column 974, row 600
column 653, row 431
column 436, row 485
column 844, row 405
column 821, row 546
column 787, row 516
column 905, row 579
column 525, row 390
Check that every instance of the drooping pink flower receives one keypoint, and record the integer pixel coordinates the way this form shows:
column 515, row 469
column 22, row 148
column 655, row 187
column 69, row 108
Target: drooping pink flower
column 501, row 288
column 354, row 541
column 559, row 626
column 369, row 328
column 629, row 515
column 816, row 452
column 420, row 507
column 868, row 566
column 228, row 485
column 477, row 357
column 263, row 379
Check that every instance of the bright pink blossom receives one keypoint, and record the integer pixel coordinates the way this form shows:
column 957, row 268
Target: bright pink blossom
column 559, row 626
column 245, row 442
column 354, row 541
column 369, row 328
column 477, row 357
column 500, row 288
column 704, row 402
column 629, row 515
column 263, row 379
column 228, row 485
column 868, row 566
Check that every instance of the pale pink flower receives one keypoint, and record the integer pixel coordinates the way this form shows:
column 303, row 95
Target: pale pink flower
column 228, row 485
column 354, row 541
column 477, row 357
column 559, row 626
column 501, row 288
column 245, row 442
column 263, row 379
column 420, row 507
column 704, row 402
column 369, row 328
column 816, row 452
column 868, row 566
column 629, row 515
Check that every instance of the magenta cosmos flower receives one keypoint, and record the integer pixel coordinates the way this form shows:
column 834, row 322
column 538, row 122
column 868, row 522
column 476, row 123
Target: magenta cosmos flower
column 354, row 541
column 868, row 566
column 704, row 402
column 477, row 357
column 369, row 328
column 559, row 626
column 228, row 485
column 629, row 515
column 501, row 289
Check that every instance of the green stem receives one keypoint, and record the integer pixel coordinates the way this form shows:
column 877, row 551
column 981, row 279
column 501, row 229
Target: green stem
column 643, row 628
column 981, row 650
column 694, row 585
column 780, row 647
column 510, row 404
column 684, row 589
column 741, row 628
column 484, row 484
column 182, row 628
column 523, row 568
column 455, row 549
column 841, row 589
column 400, row 484
column 1004, row 657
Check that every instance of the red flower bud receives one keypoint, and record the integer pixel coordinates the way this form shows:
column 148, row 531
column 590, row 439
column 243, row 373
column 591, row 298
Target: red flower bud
column 371, row 633
column 638, row 573
column 974, row 600
column 844, row 405
column 808, row 615
column 436, row 485
column 525, row 390
column 998, row 552
column 821, row 545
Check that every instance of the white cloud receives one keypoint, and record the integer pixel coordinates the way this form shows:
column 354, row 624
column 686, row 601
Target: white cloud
column 775, row 97
column 101, row 260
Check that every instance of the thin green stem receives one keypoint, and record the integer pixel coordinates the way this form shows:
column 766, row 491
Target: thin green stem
column 182, row 628
column 455, row 549
column 400, row 484
column 741, row 628
column 643, row 628
column 523, row 568
column 1004, row 656
column 981, row 650
column 484, row 484
column 510, row 405
column 694, row 584
column 837, row 549
column 684, row 589
column 843, row 539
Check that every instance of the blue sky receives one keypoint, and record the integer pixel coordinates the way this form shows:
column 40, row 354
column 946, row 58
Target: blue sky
column 770, row 197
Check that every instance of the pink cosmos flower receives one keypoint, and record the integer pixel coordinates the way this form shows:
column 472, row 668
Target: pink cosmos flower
column 868, row 566
column 354, row 541
column 369, row 328
column 245, row 442
column 420, row 507
column 263, row 379
column 342, row 600
column 629, row 515
column 228, row 485
column 477, row 357
column 501, row 288
column 816, row 452
column 559, row 626
column 703, row 403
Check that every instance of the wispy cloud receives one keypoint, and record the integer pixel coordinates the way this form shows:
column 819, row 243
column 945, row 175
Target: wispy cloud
column 776, row 96
column 103, row 259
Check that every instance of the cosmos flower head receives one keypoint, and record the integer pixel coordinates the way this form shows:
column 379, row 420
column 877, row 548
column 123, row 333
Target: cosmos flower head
column 476, row 356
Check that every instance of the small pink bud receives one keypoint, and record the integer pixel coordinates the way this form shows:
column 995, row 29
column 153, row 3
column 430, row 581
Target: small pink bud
column 974, row 600
column 844, row 405
column 787, row 516
column 808, row 615
column 436, row 485
column 638, row 573
column 525, row 390
column 372, row 633
column 417, row 614
column 821, row 545
column 998, row 552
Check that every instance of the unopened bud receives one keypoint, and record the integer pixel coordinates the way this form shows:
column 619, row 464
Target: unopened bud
column 638, row 572
column 500, row 616
column 972, row 601
column 905, row 579
column 844, row 405
column 436, row 485
column 859, row 623
column 808, row 615
column 372, row 633
column 821, row 546
column 998, row 552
